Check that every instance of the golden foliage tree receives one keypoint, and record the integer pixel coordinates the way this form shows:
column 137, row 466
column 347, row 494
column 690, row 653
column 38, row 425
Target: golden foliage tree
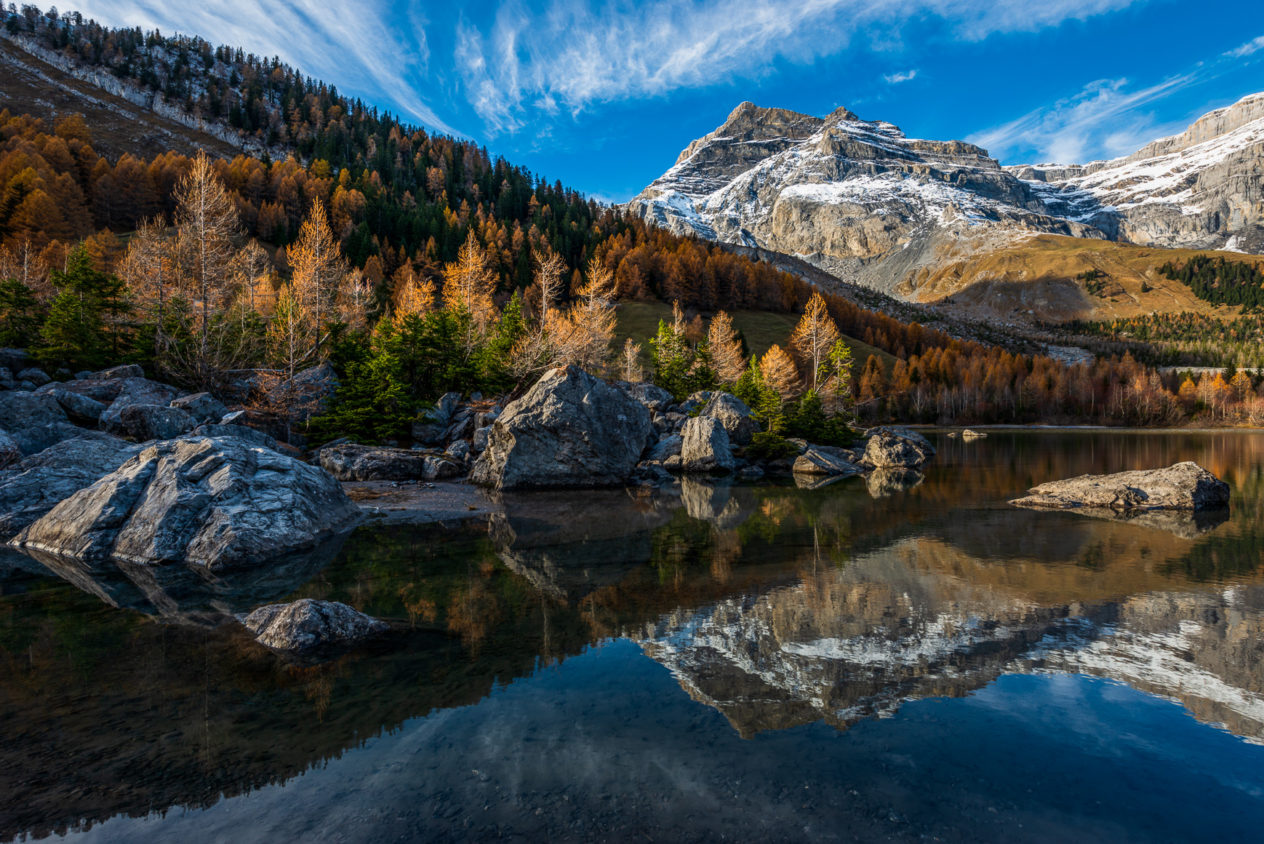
column 318, row 270
column 726, row 349
column 468, row 285
column 814, row 337
column 779, row 372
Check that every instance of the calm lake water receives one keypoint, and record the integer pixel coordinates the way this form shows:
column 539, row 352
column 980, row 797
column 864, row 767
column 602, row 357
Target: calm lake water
column 860, row 661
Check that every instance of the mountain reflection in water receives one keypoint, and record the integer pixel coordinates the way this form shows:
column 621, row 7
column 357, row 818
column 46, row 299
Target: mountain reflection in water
column 128, row 691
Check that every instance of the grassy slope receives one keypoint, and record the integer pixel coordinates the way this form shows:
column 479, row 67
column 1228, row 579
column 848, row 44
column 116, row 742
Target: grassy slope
column 1038, row 275
column 761, row 329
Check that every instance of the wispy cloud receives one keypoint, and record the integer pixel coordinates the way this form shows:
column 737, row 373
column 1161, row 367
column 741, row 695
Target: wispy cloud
column 370, row 47
column 1107, row 117
column 574, row 53
column 1102, row 118
column 1253, row 46
column 902, row 76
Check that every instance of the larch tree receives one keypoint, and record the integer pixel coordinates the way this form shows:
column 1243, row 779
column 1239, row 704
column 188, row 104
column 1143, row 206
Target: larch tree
column 779, row 373
column 814, row 337
column 254, row 278
column 726, row 349
column 318, row 270
column 549, row 272
column 630, row 362
column 468, row 285
column 206, row 220
column 413, row 296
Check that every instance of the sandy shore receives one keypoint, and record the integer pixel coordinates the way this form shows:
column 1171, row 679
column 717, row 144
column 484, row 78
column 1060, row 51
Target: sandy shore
column 420, row 502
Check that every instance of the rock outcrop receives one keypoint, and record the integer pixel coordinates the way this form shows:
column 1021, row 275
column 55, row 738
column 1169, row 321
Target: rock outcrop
column 351, row 462
column 38, row 483
column 307, row 626
column 821, row 460
column 705, row 446
column 216, row 503
column 569, row 430
column 1182, row 486
column 897, row 448
column 734, row 415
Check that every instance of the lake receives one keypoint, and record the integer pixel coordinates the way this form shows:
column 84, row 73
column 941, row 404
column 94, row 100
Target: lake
column 898, row 659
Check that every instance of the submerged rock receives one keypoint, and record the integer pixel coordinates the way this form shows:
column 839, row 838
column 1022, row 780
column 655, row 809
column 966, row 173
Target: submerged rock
column 308, row 625
column 1182, row 486
column 569, row 430
column 218, row 503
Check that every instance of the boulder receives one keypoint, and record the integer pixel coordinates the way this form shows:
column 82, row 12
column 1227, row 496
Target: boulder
column 1183, row 486
column 445, row 409
column 313, row 389
column 428, row 433
column 14, row 360
column 569, row 430
column 144, row 422
column 889, row 448
column 307, row 625
column 352, row 462
column 653, row 397
column 666, row 447
column 695, row 401
column 34, row 375
column 117, row 373
column 34, row 420
column 734, row 415
column 480, row 438
column 34, row 486
column 458, row 451
column 440, row 468
column 968, row 434
column 204, row 407
column 10, row 453
column 886, row 482
column 903, row 433
column 265, row 422
column 79, row 407
column 253, row 436
column 134, row 392
column 705, row 446
column 210, row 502
column 821, row 460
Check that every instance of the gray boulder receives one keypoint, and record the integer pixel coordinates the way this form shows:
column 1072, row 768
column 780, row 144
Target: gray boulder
column 903, row 433
column 215, row 503
column 458, row 451
column 34, row 420
column 888, row 448
column 253, row 436
column 315, row 389
column 695, row 401
column 34, row 486
column 440, row 467
column 1183, row 486
column 117, row 373
column 34, row 375
column 134, row 392
column 307, row 625
column 146, row 422
column 653, row 397
column 78, row 406
column 481, row 436
column 352, row 462
column 666, row 447
column 569, row 430
column 204, row 407
column 734, row 415
column 705, row 446
column 821, row 460
column 10, row 453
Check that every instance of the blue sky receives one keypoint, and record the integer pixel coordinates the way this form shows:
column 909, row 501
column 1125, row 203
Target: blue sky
column 605, row 95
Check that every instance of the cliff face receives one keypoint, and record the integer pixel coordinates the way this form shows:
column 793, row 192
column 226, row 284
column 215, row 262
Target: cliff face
column 862, row 201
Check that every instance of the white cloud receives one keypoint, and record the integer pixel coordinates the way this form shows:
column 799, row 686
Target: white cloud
column 368, row 48
column 575, row 53
column 902, row 76
column 1103, row 118
column 1253, row 46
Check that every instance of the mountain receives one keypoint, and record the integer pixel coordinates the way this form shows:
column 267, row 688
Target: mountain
column 864, row 202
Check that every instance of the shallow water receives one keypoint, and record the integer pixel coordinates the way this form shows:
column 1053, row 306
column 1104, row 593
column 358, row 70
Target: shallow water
column 753, row 662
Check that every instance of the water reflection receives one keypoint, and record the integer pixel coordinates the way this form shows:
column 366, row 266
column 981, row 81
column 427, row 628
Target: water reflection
column 777, row 606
